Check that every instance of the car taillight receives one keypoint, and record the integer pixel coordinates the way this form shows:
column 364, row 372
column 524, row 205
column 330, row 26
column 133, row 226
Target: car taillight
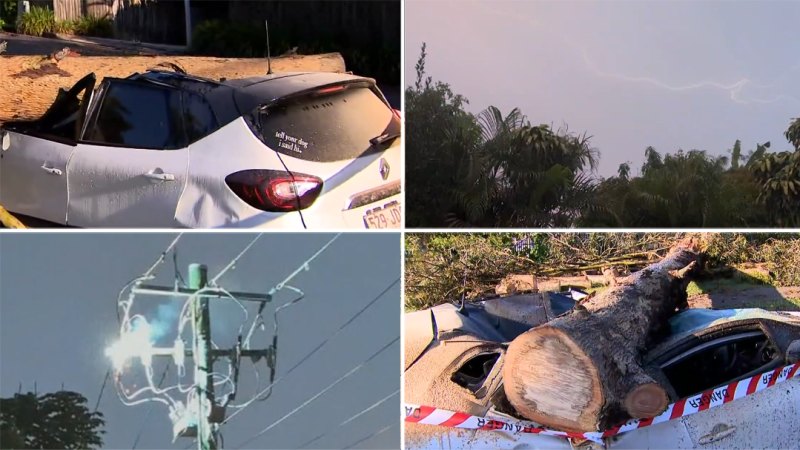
column 273, row 190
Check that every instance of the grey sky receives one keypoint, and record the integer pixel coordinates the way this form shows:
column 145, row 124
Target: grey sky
column 58, row 313
column 671, row 74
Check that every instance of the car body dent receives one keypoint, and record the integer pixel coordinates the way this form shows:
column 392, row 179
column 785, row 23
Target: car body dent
column 104, row 193
column 207, row 201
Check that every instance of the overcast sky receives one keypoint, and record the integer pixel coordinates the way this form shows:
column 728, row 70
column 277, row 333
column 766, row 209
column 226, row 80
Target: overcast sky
column 671, row 74
column 58, row 313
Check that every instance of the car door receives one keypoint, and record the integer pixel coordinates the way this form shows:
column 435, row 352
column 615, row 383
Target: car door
column 33, row 167
column 723, row 348
column 130, row 166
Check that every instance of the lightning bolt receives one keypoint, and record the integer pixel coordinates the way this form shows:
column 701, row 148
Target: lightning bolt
column 734, row 89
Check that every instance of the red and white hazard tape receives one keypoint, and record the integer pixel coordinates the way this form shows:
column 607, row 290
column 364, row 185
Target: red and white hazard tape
column 709, row 399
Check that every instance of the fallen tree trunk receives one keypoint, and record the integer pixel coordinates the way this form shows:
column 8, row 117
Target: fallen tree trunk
column 27, row 91
column 582, row 371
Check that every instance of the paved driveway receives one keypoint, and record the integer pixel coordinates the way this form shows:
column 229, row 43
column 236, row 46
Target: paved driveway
column 20, row 44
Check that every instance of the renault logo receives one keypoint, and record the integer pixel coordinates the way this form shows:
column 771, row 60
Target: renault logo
column 384, row 169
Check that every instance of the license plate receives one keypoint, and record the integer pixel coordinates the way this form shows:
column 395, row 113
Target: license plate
column 386, row 216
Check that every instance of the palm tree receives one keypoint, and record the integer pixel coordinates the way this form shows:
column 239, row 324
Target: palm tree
column 523, row 175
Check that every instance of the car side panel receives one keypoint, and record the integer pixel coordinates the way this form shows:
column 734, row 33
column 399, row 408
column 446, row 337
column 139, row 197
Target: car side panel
column 207, row 202
column 766, row 419
column 119, row 187
column 33, row 177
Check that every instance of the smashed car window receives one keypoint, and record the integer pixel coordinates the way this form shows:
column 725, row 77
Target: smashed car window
column 473, row 373
column 140, row 116
column 199, row 117
column 721, row 361
column 65, row 115
column 331, row 124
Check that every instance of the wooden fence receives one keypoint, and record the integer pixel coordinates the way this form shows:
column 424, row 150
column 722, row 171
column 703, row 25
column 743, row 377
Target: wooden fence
column 349, row 22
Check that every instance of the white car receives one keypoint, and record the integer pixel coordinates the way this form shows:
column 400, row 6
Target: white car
column 454, row 358
column 167, row 149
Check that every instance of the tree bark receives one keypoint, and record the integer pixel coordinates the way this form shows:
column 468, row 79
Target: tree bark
column 583, row 371
column 25, row 98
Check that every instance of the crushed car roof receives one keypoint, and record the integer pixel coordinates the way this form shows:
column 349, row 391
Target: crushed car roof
column 232, row 98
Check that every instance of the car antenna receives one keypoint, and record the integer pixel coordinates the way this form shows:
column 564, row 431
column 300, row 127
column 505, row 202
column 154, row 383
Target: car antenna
column 269, row 55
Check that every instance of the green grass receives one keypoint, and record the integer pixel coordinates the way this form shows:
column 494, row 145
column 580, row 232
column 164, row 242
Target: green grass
column 719, row 285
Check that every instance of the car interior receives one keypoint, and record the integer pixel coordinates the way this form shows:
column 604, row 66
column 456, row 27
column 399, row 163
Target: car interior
column 721, row 360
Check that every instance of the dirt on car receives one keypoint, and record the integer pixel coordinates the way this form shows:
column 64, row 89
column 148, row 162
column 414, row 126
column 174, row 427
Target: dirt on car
column 29, row 86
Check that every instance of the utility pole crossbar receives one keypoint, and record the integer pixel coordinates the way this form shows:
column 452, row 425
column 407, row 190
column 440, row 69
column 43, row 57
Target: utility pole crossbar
column 145, row 289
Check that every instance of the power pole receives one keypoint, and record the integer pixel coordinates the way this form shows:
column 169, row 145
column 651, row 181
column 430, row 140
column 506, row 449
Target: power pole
column 202, row 418
column 203, row 363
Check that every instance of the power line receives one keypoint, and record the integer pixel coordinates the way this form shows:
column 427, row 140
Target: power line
column 322, row 392
column 149, row 408
column 382, row 430
column 102, row 388
column 315, row 350
column 163, row 256
column 368, row 409
column 233, row 262
column 373, row 406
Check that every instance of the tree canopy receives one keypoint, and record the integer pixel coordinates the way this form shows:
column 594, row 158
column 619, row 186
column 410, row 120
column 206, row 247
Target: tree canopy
column 56, row 420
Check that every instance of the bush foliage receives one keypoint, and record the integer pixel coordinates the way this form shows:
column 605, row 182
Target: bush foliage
column 40, row 21
column 37, row 22
column 440, row 267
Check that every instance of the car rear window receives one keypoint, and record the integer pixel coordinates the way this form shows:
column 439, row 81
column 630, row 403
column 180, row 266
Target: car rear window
column 333, row 124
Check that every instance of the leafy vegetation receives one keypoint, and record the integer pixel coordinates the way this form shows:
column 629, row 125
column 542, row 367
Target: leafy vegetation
column 57, row 420
column 92, row 26
column 442, row 267
column 40, row 21
column 37, row 22
column 8, row 13
column 498, row 170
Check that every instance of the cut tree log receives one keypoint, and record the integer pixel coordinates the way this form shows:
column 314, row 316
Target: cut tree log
column 27, row 98
column 582, row 371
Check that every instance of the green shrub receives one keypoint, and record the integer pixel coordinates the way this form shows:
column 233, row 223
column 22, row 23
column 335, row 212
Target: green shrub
column 64, row 26
column 8, row 13
column 93, row 26
column 37, row 22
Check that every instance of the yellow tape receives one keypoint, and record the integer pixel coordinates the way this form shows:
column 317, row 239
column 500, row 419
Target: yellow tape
column 9, row 221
